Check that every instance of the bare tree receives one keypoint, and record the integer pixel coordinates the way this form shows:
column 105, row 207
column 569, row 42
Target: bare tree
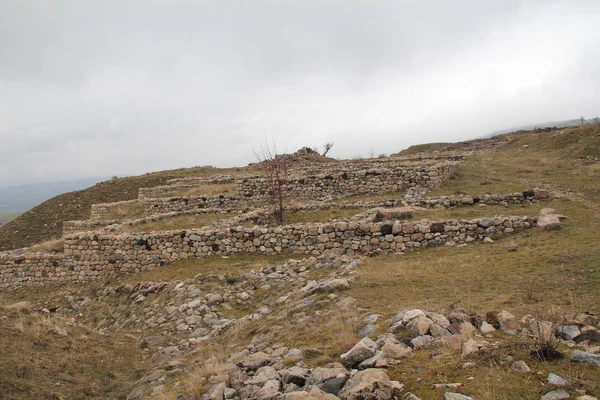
column 327, row 147
column 371, row 153
column 581, row 120
column 275, row 170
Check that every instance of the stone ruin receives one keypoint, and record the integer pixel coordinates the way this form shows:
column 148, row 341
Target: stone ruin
column 92, row 248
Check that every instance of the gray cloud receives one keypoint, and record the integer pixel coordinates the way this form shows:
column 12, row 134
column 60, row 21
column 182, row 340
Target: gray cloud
column 92, row 88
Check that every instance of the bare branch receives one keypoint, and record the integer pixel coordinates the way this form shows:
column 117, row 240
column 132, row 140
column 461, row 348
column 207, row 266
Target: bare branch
column 275, row 170
column 327, row 147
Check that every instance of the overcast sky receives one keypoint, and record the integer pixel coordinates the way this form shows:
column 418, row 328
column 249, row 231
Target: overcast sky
column 102, row 88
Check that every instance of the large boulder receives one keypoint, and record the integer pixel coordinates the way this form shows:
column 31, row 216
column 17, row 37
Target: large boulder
column 255, row 361
column 548, row 222
column 321, row 375
column 361, row 351
column 369, row 384
column 586, row 358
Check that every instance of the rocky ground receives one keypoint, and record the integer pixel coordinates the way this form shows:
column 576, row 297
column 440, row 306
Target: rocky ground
column 512, row 319
column 178, row 324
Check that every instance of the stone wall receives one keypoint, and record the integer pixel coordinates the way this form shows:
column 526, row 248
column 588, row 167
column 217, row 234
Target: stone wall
column 526, row 197
column 352, row 182
column 135, row 252
column 70, row 227
column 144, row 193
column 92, row 254
column 202, row 180
column 101, row 210
column 252, row 191
column 165, row 205
column 33, row 269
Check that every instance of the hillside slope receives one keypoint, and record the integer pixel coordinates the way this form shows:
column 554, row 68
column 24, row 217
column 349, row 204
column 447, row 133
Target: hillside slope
column 44, row 222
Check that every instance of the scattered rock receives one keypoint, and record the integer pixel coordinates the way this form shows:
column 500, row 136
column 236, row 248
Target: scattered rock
column 555, row 395
column 554, row 379
column 361, row 351
column 567, row 332
column 369, row 384
column 520, row 367
column 548, row 222
column 314, row 394
column 456, row 396
column 585, row 358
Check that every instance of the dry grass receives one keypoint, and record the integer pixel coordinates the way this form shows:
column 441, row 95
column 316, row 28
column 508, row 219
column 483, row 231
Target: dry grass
column 479, row 211
column 127, row 211
column 175, row 223
column 51, row 246
column 302, row 217
column 371, row 197
column 492, row 378
column 202, row 190
column 36, row 363
column 547, row 268
column 214, row 265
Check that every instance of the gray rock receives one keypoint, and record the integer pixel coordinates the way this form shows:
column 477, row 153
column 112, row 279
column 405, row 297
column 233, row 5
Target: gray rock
column 486, row 328
column 270, row 390
column 371, row 318
column 296, row 375
column 554, row 379
column 263, row 374
column 555, row 395
column 485, row 222
column 422, row 341
column 456, row 396
column 585, row 358
column 249, row 392
column 410, row 396
column 369, row 384
column 375, row 361
column 412, row 314
column 60, row 331
column 548, row 222
column 255, row 361
column 471, row 346
column 360, row 352
column 392, row 349
column 367, row 330
column 320, row 375
column 314, row 394
column 216, row 392
column 567, row 332
column 334, row 385
column 508, row 322
column 293, row 355
column 520, row 367
column 419, row 325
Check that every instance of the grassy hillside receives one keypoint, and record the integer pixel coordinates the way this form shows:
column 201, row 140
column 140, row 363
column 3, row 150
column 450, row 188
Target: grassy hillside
column 6, row 216
column 44, row 222
column 532, row 272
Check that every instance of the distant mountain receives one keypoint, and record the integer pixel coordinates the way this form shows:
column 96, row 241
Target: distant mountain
column 17, row 199
column 559, row 124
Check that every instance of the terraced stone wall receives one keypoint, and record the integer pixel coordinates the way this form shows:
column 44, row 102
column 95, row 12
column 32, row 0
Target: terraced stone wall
column 352, row 182
column 165, row 205
column 33, row 269
column 99, row 211
column 88, row 255
column 255, row 191
column 128, row 252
